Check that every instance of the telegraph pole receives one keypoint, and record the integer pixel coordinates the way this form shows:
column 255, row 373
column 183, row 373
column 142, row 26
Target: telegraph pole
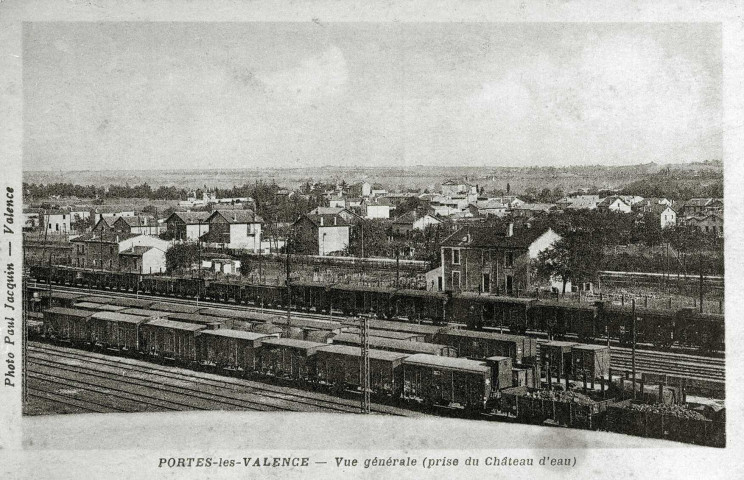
column 289, row 288
column 701, row 283
column 632, row 356
column 365, row 366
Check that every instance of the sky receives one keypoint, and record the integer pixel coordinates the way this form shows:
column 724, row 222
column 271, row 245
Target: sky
column 138, row 95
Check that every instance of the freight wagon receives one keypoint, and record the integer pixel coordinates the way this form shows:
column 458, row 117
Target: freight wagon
column 436, row 380
column 68, row 324
column 168, row 339
column 114, row 330
column 289, row 358
column 518, row 315
column 230, row 349
column 339, row 367
column 479, row 345
column 394, row 345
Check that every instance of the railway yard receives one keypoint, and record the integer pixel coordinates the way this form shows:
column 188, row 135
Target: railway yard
column 100, row 348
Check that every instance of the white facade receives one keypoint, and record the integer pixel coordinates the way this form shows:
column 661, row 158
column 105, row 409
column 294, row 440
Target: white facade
column 425, row 221
column 144, row 241
column 366, row 189
column 378, row 211
column 153, row 261
column 332, row 239
column 337, row 203
column 543, row 242
column 618, row 205
column 247, row 236
column 668, row 218
column 193, row 231
column 58, row 222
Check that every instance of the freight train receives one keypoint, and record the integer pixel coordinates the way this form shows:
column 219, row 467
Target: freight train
column 557, row 318
column 412, row 370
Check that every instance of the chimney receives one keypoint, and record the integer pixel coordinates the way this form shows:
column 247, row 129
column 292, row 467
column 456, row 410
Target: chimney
column 510, row 230
column 335, row 221
column 321, row 221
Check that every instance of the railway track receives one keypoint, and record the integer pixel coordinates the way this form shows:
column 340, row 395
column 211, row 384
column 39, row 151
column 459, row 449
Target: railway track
column 172, row 388
column 647, row 361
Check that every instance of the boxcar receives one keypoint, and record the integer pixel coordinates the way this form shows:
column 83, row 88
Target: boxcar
column 169, row 339
column 232, row 349
column 394, row 345
column 357, row 299
column 703, row 330
column 652, row 325
column 420, row 304
column 340, row 366
column 116, row 330
column 98, row 307
column 590, row 361
column 407, row 336
column 212, row 323
column 557, row 355
column 479, row 311
column 311, row 296
column 428, row 331
column 469, row 343
column 267, row 328
column 69, row 324
column 174, row 307
column 58, row 299
column 288, row 358
column 559, row 318
column 454, row 381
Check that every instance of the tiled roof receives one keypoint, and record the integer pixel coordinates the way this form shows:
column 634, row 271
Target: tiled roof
column 237, row 216
column 191, row 218
column 492, row 237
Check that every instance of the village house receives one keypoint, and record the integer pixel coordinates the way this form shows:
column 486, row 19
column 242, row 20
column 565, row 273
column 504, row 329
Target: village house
column 697, row 206
column 531, row 209
column 240, row 229
column 187, row 226
column 488, row 208
column 492, row 260
column 411, row 221
column 665, row 214
column 614, row 204
column 100, row 250
column 709, row 223
column 347, row 214
column 578, row 202
column 141, row 224
column 320, row 234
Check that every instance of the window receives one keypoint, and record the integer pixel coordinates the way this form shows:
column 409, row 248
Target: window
column 455, row 279
column 455, row 256
column 486, row 282
column 509, row 259
column 111, row 250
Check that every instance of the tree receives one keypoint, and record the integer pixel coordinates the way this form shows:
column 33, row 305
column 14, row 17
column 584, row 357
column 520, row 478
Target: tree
column 575, row 257
column 508, row 188
column 181, row 256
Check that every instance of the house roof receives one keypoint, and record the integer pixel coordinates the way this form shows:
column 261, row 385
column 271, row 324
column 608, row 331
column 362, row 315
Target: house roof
column 485, row 237
column 136, row 251
column 137, row 221
column 190, row 218
column 659, row 208
column 109, row 221
column 104, row 237
column 606, row 202
column 332, row 220
column 407, row 218
column 534, row 206
column 698, row 202
column 237, row 216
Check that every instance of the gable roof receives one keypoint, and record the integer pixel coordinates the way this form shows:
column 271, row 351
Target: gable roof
column 492, row 237
column 104, row 237
column 333, row 220
column 608, row 201
column 237, row 216
column 190, row 218
column 137, row 221
column 136, row 251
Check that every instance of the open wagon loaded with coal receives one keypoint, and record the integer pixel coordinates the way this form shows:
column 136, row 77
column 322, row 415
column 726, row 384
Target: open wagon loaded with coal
column 671, row 422
column 566, row 408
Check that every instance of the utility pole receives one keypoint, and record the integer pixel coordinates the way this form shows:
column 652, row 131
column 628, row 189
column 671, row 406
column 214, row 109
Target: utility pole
column 632, row 356
column 365, row 366
column 397, row 268
column 289, row 288
column 701, row 283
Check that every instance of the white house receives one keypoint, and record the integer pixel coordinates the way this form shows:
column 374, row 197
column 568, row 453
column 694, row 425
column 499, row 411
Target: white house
column 234, row 229
column 377, row 211
column 614, row 204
